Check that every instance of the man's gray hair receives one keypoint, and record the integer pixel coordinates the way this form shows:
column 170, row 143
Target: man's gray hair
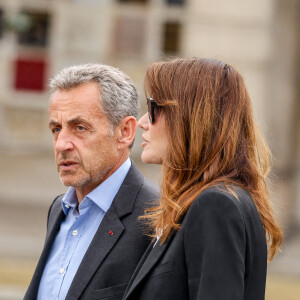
column 118, row 94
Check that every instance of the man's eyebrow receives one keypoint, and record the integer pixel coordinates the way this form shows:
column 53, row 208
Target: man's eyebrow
column 53, row 123
column 74, row 121
column 77, row 120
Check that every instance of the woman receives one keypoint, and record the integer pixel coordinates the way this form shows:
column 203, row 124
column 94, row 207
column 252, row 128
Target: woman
column 214, row 220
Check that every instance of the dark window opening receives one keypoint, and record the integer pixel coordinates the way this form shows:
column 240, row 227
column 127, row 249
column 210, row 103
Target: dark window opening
column 36, row 29
column 171, row 43
column 134, row 1
column 175, row 2
column 1, row 22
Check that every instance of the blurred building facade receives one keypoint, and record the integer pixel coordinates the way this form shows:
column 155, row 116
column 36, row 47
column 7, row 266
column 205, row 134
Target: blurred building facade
column 40, row 37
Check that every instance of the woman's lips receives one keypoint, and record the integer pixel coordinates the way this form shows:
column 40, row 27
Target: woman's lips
column 144, row 143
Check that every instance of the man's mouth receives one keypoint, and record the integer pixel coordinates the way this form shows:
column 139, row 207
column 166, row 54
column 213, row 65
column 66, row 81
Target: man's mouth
column 67, row 165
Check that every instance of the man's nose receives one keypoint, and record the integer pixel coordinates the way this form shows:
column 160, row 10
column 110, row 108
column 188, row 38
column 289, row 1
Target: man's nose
column 63, row 142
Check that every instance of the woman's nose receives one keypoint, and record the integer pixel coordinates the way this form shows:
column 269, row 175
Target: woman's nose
column 144, row 122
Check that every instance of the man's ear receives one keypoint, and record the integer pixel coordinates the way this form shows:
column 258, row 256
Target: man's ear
column 126, row 132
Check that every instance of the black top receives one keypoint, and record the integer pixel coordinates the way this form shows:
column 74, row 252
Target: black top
column 220, row 253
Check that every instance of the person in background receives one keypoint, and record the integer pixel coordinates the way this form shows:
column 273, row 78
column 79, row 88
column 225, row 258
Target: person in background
column 214, row 228
column 94, row 238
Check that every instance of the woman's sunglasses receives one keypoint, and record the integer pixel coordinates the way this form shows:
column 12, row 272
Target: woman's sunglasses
column 152, row 107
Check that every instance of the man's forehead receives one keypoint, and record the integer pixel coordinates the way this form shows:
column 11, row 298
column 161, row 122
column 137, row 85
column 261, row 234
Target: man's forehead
column 84, row 92
column 78, row 103
column 74, row 105
column 75, row 115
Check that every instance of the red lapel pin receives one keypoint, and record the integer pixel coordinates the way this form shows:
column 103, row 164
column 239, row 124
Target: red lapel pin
column 111, row 233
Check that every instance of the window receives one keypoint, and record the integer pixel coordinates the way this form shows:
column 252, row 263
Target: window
column 134, row 1
column 30, row 74
column 36, row 33
column 1, row 23
column 171, row 43
column 175, row 2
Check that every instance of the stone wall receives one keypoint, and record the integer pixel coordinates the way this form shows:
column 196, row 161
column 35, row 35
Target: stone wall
column 260, row 38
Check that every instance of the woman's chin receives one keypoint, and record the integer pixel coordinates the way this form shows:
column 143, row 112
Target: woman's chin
column 147, row 158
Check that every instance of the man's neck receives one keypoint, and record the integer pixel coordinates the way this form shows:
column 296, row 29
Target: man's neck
column 82, row 191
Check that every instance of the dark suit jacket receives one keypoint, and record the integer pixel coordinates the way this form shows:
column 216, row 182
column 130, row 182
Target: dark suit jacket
column 110, row 259
column 218, row 254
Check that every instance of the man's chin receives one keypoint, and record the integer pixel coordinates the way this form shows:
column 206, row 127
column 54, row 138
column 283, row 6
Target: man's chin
column 65, row 182
column 72, row 181
column 68, row 181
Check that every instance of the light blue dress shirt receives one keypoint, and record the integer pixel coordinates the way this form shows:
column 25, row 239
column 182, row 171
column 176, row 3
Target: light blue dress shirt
column 76, row 233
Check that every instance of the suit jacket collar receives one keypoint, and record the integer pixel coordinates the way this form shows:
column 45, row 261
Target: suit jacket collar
column 130, row 186
column 99, row 248
column 103, row 241
column 147, row 263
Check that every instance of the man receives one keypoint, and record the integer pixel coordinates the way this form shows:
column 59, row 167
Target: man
column 94, row 238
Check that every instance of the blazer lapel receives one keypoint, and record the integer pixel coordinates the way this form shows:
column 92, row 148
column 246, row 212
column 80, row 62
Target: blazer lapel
column 99, row 248
column 103, row 241
column 147, row 263
column 140, row 264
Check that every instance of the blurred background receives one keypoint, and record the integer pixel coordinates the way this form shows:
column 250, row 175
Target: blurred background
column 40, row 37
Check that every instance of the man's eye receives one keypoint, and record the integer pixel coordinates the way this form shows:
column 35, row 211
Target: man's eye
column 55, row 130
column 80, row 128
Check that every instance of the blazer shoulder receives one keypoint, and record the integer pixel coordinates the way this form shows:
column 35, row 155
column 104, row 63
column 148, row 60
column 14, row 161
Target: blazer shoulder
column 214, row 215
column 235, row 204
column 150, row 187
column 216, row 195
column 217, row 204
column 219, row 195
column 134, row 195
column 148, row 196
column 147, row 190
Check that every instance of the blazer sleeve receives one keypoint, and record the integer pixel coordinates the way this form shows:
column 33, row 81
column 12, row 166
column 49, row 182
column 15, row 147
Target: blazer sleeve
column 215, row 246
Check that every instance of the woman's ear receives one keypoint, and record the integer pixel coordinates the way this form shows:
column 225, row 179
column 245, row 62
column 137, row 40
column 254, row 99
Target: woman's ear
column 127, row 129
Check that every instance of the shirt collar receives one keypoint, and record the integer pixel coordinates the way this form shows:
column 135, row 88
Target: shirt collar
column 104, row 194
column 69, row 200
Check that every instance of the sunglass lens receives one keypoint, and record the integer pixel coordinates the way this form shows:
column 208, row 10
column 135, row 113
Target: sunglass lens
column 150, row 111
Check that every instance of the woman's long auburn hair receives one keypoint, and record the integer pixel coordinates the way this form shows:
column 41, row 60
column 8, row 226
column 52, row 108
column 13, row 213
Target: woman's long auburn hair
column 212, row 140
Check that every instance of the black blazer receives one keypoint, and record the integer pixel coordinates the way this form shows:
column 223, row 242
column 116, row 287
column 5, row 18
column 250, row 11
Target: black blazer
column 219, row 253
column 110, row 259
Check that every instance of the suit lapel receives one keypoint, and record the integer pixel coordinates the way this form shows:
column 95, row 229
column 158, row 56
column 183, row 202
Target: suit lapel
column 140, row 264
column 103, row 242
column 99, row 248
column 147, row 263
